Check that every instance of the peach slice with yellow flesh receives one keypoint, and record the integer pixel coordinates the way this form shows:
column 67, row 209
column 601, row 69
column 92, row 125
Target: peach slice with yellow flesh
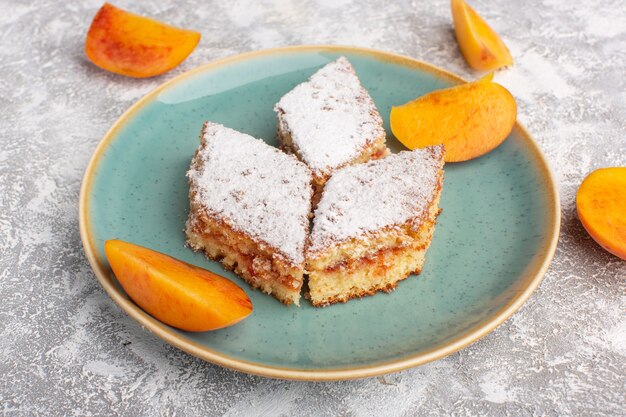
column 469, row 120
column 136, row 46
column 601, row 206
column 480, row 45
column 175, row 292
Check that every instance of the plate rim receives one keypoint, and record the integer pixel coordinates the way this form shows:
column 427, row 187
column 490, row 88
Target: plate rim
column 165, row 333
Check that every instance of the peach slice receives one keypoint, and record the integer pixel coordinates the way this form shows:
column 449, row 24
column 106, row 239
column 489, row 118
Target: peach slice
column 480, row 45
column 601, row 205
column 175, row 292
column 136, row 46
column 469, row 120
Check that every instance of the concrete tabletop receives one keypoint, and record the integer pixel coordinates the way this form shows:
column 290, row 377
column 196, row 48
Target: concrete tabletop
column 67, row 349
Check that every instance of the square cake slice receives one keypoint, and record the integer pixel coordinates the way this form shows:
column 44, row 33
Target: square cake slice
column 373, row 225
column 249, row 209
column 330, row 122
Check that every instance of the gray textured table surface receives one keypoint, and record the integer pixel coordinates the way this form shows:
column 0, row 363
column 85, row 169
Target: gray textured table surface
column 67, row 349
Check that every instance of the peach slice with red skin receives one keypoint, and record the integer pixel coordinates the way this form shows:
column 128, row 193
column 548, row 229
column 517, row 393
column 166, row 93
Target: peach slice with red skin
column 175, row 292
column 480, row 45
column 136, row 46
column 601, row 206
column 469, row 120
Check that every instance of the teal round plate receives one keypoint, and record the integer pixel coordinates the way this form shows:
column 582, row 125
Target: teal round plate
column 492, row 244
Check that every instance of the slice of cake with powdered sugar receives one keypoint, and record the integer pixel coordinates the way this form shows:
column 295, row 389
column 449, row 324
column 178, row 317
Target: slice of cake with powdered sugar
column 330, row 122
column 373, row 225
column 249, row 209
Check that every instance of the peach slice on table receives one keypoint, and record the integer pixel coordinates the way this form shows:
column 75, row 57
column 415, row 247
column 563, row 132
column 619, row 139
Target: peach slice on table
column 175, row 292
column 469, row 120
column 601, row 206
column 136, row 46
column 480, row 45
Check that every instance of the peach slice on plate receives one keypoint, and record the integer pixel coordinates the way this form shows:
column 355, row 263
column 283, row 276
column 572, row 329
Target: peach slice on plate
column 480, row 44
column 175, row 292
column 601, row 206
column 469, row 120
column 136, row 46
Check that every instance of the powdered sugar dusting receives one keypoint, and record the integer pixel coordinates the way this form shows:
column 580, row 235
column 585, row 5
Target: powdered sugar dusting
column 254, row 188
column 331, row 117
column 385, row 192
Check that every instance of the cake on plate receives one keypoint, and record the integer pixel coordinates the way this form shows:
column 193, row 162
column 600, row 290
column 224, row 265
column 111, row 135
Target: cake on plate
column 373, row 225
column 249, row 209
column 330, row 121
